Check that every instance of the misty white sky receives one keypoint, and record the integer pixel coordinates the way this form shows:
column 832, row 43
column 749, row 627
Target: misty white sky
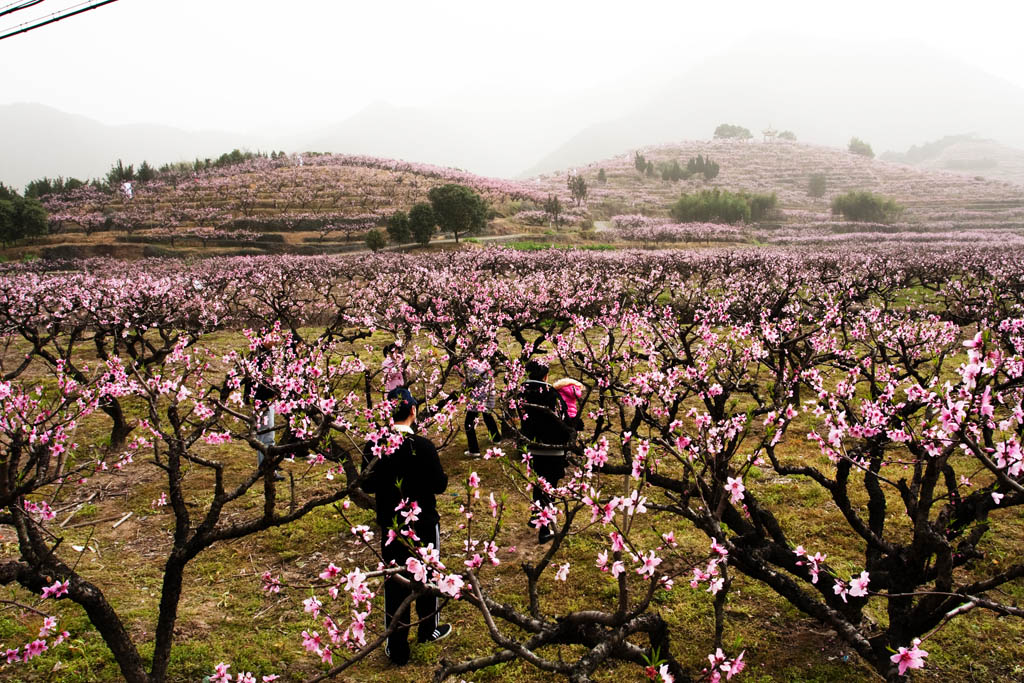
column 248, row 65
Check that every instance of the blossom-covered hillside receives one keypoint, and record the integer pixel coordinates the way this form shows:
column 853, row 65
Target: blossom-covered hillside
column 930, row 196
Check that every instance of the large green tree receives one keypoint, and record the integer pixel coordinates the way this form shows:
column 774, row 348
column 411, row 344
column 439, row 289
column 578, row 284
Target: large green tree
column 398, row 227
column 20, row 218
column 422, row 222
column 458, row 209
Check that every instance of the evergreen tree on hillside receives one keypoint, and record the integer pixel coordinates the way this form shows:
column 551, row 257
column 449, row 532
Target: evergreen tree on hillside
column 422, row 222
column 577, row 188
column 398, row 227
column 858, row 146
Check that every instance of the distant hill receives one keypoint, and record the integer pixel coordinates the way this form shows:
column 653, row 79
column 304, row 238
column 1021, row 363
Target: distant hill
column 966, row 154
column 330, row 192
column 887, row 97
column 39, row 141
column 930, row 195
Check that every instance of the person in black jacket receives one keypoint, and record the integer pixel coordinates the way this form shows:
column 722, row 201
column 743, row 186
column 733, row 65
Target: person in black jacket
column 545, row 424
column 413, row 472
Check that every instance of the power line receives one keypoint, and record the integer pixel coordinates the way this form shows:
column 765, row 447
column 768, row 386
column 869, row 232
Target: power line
column 15, row 6
column 53, row 18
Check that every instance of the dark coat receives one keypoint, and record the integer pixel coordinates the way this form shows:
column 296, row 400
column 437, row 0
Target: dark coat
column 545, row 422
column 413, row 471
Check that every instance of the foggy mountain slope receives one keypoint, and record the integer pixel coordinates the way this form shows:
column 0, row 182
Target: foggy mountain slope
column 410, row 134
column 968, row 155
column 41, row 141
column 889, row 98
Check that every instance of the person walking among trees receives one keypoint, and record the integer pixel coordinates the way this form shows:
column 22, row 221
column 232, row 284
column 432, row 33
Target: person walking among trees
column 261, row 397
column 480, row 386
column 545, row 425
column 409, row 477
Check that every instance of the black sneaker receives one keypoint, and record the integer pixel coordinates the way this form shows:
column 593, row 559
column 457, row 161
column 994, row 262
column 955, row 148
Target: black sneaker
column 396, row 660
column 440, row 633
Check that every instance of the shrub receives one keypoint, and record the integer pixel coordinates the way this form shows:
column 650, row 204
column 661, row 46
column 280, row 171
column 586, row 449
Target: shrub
column 865, row 206
column 760, row 205
column 709, row 206
column 787, row 135
column 602, row 177
column 858, row 146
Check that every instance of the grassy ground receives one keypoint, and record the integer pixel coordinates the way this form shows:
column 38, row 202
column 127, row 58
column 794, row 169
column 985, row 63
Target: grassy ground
column 225, row 616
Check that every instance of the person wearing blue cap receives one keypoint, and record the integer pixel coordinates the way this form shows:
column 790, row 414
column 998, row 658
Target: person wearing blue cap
column 412, row 473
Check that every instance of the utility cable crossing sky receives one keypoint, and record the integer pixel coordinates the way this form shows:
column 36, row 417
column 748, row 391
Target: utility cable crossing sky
column 45, row 20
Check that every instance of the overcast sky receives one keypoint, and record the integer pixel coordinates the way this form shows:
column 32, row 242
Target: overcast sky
column 247, row 65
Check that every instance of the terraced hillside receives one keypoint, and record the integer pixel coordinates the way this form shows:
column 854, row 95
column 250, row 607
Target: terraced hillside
column 934, row 197
column 313, row 203
column 335, row 193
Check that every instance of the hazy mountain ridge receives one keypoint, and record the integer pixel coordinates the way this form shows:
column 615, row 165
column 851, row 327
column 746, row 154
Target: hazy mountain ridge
column 886, row 101
column 966, row 154
column 41, row 141
column 891, row 97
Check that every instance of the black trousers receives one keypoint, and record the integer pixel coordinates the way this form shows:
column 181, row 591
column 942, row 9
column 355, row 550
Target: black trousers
column 492, row 429
column 552, row 468
column 395, row 593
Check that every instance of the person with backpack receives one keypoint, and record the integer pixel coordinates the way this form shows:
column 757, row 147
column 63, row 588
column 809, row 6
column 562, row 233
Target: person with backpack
column 410, row 475
column 547, row 430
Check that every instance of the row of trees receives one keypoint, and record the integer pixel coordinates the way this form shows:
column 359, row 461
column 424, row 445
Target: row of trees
column 722, row 206
column 673, row 170
column 120, row 173
column 865, row 206
column 454, row 208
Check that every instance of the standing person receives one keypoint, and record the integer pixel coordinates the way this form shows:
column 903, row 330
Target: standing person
column 411, row 473
column 261, row 396
column 480, row 383
column 544, row 420
column 393, row 368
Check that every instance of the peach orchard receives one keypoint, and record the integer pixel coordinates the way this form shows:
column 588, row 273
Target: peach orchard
column 891, row 381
